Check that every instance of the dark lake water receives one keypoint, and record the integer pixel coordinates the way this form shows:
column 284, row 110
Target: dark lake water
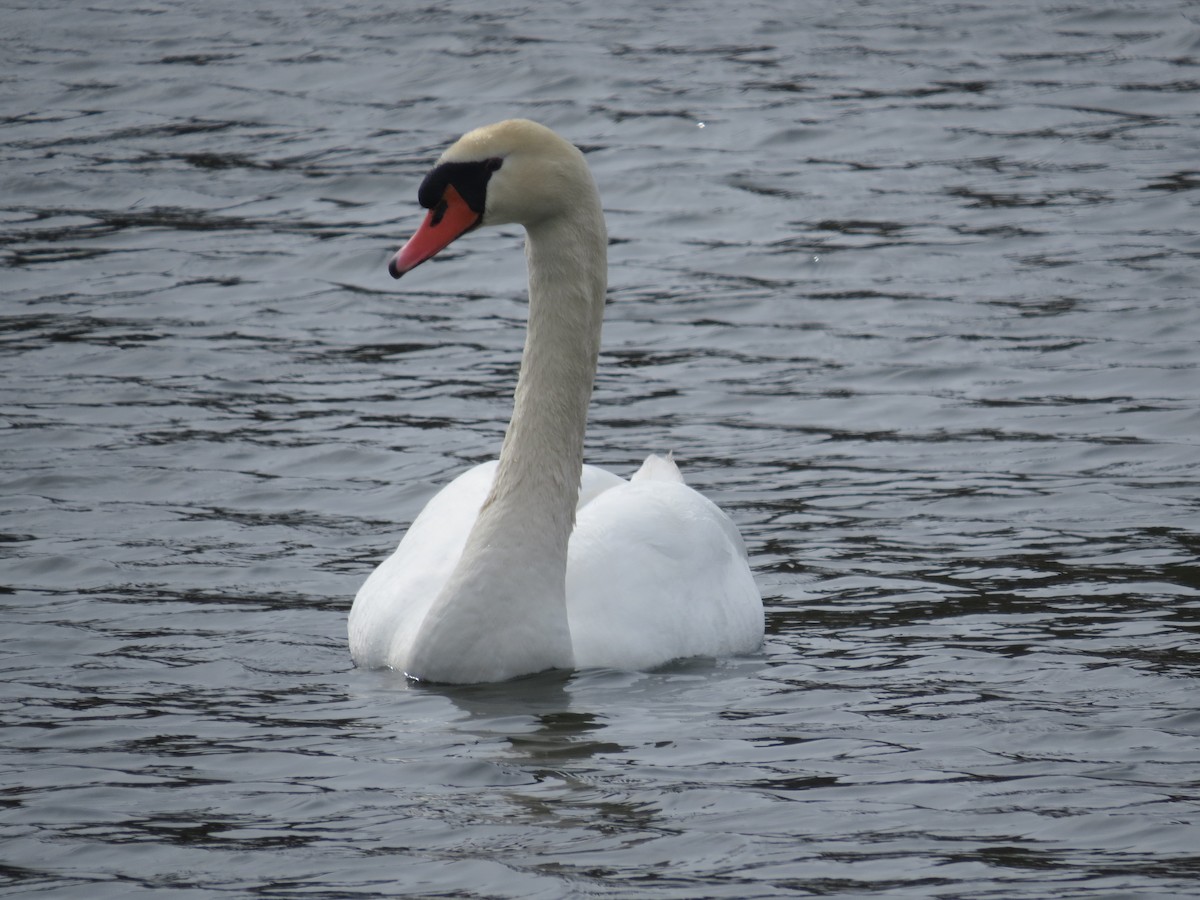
column 911, row 289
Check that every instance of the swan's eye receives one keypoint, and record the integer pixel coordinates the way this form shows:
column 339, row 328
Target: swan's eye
column 468, row 178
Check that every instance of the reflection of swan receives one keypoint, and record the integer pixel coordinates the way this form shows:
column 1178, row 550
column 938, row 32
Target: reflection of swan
column 523, row 565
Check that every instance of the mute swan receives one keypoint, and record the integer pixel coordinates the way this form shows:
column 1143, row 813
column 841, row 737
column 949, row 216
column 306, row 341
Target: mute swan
column 536, row 561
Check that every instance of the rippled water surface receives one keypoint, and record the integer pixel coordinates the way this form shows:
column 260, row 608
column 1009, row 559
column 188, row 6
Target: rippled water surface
column 911, row 289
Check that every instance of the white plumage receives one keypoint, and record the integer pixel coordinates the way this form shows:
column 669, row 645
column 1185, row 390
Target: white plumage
column 536, row 561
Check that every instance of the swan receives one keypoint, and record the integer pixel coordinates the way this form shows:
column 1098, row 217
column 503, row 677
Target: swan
column 535, row 561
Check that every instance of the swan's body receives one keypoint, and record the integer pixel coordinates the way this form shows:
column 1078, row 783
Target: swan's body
column 525, row 564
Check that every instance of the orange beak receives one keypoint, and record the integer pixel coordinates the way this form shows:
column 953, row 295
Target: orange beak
column 450, row 219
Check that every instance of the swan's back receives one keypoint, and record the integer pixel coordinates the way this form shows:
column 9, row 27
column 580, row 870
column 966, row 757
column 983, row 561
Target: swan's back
column 656, row 572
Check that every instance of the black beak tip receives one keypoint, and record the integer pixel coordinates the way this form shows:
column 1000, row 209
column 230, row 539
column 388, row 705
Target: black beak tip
column 393, row 269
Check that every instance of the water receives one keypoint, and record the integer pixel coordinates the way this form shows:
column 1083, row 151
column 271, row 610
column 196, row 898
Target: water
column 909, row 289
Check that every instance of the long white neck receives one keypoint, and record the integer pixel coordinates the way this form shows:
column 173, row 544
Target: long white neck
column 543, row 448
column 503, row 611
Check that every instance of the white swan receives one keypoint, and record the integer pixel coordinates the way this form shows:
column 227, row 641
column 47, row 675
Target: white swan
column 522, row 564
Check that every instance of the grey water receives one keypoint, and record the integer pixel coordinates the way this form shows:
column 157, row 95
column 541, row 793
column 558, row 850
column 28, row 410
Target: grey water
column 911, row 289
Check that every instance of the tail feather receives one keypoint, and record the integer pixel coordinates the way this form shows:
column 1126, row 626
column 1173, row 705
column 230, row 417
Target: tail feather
column 658, row 468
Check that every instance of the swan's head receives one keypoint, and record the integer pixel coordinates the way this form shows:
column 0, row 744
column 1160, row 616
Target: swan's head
column 515, row 171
